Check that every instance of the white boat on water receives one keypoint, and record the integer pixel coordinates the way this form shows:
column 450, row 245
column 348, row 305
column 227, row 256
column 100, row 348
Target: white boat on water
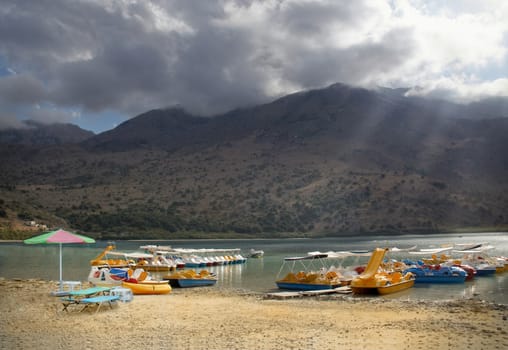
column 253, row 253
column 147, row 261
column 208, row 256
column 152, row 262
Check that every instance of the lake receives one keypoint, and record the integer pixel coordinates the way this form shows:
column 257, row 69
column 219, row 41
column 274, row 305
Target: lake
column 41, row 261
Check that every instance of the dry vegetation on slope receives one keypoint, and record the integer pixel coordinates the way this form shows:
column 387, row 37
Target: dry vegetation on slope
column 332, row 161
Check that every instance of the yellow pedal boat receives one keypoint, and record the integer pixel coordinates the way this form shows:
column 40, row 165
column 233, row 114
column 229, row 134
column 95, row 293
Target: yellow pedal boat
column 148, row 287
column 372, row 280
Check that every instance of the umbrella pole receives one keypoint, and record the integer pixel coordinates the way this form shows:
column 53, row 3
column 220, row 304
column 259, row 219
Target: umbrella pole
column 61, row 286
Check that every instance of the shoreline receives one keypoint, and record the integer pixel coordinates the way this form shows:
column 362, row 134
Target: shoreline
column 214, row 318
column 391, row 235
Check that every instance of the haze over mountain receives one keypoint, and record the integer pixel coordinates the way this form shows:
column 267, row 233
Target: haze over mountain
column 36, row 133
column 332, row 161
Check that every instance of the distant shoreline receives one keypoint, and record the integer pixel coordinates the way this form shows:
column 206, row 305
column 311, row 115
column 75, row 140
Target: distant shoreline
column 285, row 238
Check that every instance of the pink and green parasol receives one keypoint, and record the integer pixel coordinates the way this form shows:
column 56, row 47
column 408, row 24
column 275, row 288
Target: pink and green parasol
column 59, row 237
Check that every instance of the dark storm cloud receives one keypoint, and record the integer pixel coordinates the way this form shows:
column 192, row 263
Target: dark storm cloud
column 314, row 19
column 354, row 65
column 84, row 54
column 131, row 57
column 217, row 68
column 20, row 89
column 37, row 35
column 114, row 75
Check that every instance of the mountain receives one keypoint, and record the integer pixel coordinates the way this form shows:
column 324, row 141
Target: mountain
column 332, row 161
column 344, row 109
column 166, row 127
column 39, row 134
column 493, row 107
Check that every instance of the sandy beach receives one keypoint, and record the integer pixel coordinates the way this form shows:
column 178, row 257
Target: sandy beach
column 212, row 318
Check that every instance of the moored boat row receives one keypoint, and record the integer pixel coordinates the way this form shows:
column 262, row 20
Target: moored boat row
column 194, row 258
column 384, row 276
column 164, row 258
column 131, row 270
column 141, row 282
column 316, row 271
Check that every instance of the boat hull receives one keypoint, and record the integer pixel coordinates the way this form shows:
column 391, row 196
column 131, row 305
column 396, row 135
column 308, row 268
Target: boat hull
column 305, row 286
column 383, row 290
column 440, row 279
column 485, row 272
column 438, row 274
column 148, row 287
column 192, row 265
column 190, row 283
column 397, row 287
column 470, row 271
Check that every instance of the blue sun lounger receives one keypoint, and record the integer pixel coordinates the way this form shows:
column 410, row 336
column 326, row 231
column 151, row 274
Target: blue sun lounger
column 99, row 300
column 88, row 296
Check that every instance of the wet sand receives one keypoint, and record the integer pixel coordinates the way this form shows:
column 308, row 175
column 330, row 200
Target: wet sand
column 213, row 318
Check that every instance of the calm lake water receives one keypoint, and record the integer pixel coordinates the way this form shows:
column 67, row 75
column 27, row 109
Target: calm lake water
column 41, row 261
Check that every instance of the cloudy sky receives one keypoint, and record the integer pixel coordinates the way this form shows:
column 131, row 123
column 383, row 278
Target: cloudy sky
column 96, row 63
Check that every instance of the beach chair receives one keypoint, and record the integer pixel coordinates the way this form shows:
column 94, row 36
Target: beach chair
column 99, row 300
column 67, row 301
column 77, row 296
